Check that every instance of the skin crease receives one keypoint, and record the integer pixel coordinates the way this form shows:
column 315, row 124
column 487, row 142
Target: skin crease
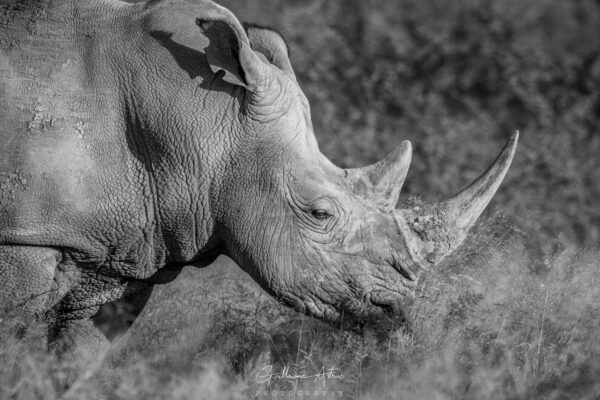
column 132, row 143
column 356, row 241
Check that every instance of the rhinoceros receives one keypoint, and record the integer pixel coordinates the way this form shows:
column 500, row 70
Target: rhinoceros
column 139, row 138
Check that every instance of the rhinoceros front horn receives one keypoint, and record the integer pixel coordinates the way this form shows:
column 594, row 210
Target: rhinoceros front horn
column 381, row 182
column 433, row 231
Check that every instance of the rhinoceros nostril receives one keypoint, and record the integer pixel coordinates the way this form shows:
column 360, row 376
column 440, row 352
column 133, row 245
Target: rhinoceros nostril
column 404, row 271
column 387, row 308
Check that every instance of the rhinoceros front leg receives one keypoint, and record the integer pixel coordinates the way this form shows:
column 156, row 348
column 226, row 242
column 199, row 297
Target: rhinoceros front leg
column 27, row 277
column 79, row 344
column 74, row 337
column 78, row 341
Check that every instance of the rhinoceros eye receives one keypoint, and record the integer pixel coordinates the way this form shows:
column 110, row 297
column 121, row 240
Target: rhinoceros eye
column 320, row 214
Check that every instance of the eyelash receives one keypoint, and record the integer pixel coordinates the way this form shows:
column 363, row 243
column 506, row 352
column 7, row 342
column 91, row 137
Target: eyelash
column 320, row 214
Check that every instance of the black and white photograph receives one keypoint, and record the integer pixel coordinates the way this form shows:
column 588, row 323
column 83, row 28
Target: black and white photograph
column 299, row 200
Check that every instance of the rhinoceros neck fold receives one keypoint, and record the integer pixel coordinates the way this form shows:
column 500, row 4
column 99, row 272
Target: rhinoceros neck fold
column 184, row 162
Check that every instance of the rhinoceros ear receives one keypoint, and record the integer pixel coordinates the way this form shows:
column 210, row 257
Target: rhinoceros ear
column 272, row 45
column 229, row 51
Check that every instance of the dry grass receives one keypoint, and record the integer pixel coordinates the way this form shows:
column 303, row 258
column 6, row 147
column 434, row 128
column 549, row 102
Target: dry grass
column 499, row 321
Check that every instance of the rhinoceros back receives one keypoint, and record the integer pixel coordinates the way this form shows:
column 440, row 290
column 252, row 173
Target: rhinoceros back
column 59, row 166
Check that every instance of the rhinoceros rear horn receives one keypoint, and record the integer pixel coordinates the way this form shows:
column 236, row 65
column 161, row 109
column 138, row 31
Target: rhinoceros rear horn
column 229, row 52
column 433, row 231
column 381, row 182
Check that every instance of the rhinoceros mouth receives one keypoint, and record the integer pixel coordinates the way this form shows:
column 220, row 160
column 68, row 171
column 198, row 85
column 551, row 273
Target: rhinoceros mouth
column 392, row 311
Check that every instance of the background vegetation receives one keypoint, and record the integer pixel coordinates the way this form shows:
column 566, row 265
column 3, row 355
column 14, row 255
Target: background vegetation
column 513, row 315
column 456, row 78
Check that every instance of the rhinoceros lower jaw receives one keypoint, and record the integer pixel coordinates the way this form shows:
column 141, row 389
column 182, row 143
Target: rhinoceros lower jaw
column 434, row 231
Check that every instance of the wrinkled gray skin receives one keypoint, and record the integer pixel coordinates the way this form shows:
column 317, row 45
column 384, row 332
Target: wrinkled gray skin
column 135, row 139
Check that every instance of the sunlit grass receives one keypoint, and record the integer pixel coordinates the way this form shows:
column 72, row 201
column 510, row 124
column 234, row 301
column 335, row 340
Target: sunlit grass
column 499, row 321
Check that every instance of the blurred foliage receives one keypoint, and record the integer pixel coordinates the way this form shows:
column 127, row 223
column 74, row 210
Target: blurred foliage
column 456, row 78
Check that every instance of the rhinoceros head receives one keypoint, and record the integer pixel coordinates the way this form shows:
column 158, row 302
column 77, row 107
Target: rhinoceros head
column 326, row 240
